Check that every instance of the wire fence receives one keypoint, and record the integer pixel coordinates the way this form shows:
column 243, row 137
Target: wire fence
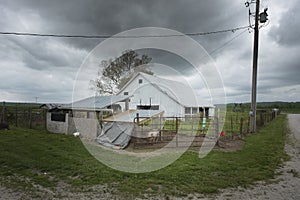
column 23, row 116
column 191, row 131
column 155, row 132
column 173, row 131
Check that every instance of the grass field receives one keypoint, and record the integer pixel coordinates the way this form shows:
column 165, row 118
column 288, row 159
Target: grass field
column 31, row 157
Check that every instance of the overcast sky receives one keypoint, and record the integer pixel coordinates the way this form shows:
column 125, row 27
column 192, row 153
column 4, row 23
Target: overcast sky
column 46, row 67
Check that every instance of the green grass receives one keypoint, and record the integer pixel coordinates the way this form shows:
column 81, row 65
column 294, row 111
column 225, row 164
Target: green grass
column 30, row 157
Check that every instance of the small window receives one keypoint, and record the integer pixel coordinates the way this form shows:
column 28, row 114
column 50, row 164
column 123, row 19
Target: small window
column 140, row 81
column 187, row 110
column 194, row 110
column 58, row 117
column 125, row 93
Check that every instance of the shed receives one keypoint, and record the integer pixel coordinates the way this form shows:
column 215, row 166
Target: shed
column 83, row 115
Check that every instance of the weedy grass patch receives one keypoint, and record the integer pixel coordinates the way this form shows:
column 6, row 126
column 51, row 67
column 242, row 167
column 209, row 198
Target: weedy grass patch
column 34, row 157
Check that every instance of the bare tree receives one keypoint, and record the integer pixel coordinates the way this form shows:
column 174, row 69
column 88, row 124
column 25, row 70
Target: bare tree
column 115, row 73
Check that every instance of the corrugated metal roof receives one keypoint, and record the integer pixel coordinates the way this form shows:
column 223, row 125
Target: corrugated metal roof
column 95, row 102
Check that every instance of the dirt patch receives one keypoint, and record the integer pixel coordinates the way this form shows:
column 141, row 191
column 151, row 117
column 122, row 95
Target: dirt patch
column 62, row 191
column 230, row 145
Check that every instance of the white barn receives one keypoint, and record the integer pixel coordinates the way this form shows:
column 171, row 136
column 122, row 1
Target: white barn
column 153, row 93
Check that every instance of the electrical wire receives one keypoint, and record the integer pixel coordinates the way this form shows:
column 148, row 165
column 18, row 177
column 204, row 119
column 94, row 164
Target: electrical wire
column 120, row 36
column 226, row 43
column 223, row 45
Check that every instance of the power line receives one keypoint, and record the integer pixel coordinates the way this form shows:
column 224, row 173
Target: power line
column 121, row 36
column 226, row 43
column 223, row 45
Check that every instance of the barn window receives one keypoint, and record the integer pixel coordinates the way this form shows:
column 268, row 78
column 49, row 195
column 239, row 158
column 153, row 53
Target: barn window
column 187, row 110
column 194, row 110
column 140, row 81
column 58, row 117
column 147, row 107
column 125, row 93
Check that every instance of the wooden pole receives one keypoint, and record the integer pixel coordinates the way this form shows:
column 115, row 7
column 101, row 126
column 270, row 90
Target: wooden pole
column 254, row 70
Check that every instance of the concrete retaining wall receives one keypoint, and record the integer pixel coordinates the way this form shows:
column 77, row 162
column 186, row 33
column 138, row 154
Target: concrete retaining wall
column 88, row 128
column 55, row 126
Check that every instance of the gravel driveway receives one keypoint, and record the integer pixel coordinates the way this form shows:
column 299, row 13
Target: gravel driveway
column 287, row 185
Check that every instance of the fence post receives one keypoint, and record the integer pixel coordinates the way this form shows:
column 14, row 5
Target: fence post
column 217, row 129
column 16, row 113
column 176, row 131
column 231, row 127
column 137, row 118
column 241, row 126
column 193, row 125
column 30, row 117
column 45, row 118
column 248, row 125
column 3, row 118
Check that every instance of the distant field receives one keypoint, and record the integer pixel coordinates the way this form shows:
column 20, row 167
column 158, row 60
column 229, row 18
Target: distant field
column 34, row 157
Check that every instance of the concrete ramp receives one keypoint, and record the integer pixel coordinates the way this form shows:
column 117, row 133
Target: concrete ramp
column 118, row 129
column 116, row 134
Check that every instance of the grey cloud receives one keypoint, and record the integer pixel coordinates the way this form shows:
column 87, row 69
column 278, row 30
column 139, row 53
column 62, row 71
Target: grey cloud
column 41, row 53
column 110, row 17
column 288, row 30
column 278, row 67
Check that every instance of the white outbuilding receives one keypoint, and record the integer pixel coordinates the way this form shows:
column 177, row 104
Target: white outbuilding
column 149, row 92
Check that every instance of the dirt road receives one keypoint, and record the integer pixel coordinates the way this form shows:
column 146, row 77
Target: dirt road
column 287, row 185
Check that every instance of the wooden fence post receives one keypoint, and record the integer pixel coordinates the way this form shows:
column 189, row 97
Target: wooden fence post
column 248, row 125
column 193, row 125
column 3, row 118
column 24, row 118
column 217, row 129
column 241, row 126
column 261, row 120
column 176, row 122
column 16, row 113
column 30, row 117
column 231, row 126
column 137, row 118
column 45, row 118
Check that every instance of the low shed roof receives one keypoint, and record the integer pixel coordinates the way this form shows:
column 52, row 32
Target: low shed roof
column 95, row 102
column 130, row 115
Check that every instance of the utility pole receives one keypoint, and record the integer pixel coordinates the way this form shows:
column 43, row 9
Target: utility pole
column 254, row 70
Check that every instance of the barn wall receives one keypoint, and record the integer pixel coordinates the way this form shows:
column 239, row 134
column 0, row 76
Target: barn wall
column 142, row 92
column 130, row 89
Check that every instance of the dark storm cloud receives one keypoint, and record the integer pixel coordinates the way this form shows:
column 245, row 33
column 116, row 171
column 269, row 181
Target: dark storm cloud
column 60, row 57
column 287, row 32
column 94, row 17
